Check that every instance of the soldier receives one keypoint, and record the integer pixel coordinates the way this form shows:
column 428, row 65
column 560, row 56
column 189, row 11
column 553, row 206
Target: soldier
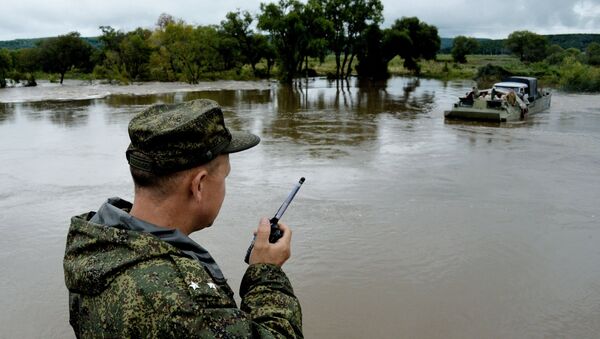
column 132, row 270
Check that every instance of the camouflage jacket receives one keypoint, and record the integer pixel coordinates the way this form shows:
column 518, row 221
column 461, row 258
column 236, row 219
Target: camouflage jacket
column 124, row 283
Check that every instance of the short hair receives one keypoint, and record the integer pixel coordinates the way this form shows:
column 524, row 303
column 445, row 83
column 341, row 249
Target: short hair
column 162, row 184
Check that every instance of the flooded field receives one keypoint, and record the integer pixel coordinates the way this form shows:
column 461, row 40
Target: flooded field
column 407, row 226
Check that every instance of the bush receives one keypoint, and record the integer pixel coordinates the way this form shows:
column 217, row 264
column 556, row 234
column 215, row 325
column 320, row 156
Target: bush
column 575, row 76
column 490, row 74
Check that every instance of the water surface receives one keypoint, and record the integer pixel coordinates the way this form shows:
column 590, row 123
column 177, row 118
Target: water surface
column 407, row 225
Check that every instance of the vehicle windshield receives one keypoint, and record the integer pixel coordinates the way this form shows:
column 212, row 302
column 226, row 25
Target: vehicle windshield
column 508, row 89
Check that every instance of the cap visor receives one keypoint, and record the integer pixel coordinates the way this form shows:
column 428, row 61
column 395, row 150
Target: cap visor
column 241, row 141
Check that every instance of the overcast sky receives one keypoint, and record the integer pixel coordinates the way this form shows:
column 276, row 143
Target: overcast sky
column 478, row 18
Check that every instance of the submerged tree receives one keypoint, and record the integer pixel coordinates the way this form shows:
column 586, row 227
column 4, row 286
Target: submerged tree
column 408, row 38
column 373, row 58
column 5, row 66
column 284, row 23
column 249, row 45
column 60, row 54
column 423, row 41
column 349, row 20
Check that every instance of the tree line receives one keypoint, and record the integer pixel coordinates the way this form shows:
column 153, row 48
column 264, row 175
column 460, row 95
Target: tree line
column 280, row 39
column 498, row 46
column 284, row 34
column 530, row 47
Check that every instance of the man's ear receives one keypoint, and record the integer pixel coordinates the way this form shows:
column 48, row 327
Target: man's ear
column 198, row 184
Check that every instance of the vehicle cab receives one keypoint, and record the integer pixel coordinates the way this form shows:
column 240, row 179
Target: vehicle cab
column 519, row 88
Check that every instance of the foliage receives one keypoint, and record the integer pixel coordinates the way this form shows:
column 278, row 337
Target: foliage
column 593, row 54
column 134, row 52
column 5, row 66
column 530, row 47
column 408, row 38
column 462, row 46
column 288, row 33
column 187, row 52
column 347, row 21
column 60, row 54
column 372, row 61
column 413, row 40
column 489, row 74
column 575, row 76
column 252, row 46
column 123, row 56
column 304, row 38
column 578, row 41
column 556, row 54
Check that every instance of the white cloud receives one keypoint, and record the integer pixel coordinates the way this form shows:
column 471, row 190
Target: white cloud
column 480, row 18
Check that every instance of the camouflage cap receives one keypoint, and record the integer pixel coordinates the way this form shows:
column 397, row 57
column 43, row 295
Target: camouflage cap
column 171, row 138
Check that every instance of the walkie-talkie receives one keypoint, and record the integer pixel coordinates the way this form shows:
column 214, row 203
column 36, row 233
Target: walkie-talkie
column 276, row 233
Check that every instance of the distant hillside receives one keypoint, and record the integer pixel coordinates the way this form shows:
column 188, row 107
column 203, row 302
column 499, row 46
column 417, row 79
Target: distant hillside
column 496, row 46
column 486, row 46
column 28, row 43
column 579, row 41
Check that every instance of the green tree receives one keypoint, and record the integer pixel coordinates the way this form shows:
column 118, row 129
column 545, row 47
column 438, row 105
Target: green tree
column 123, row 56
column 267, row 51
column 317, row 29
column 187, row 52
column 415, row 40
column 593, row 53
column 107, row 60
column 528, row 46
column 60, row 54
column 284, row 23
column 372, row 60
column 134, row 52
column 26, row 62
column 556, row 54
column 246, row 42
column 349, row 20
column 462, row 46
column 5, row 66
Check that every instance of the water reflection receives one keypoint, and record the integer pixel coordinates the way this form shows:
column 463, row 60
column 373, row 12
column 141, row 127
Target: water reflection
column 466, row 213
column 359, row 96
column 62, row 113
column 7, row 113
column 117, row 101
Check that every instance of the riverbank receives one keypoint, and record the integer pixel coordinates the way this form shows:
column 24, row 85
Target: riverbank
column 97, row 89
column 474, row 231
column 570, row 76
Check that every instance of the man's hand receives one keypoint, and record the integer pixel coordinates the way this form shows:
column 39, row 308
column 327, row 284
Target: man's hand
column 266, row 253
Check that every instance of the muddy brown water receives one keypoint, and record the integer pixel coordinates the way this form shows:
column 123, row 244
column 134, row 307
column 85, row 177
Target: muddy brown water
column 407, row 226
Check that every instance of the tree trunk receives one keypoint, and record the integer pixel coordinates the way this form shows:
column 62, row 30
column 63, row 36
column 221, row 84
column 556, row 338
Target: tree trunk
column 269, row 65
column 306, row 67
column 337, row 65
column 62, row 77
column 349, row 66
column 344, row 65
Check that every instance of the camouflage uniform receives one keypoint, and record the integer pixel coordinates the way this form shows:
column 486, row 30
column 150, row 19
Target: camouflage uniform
column 127, row 282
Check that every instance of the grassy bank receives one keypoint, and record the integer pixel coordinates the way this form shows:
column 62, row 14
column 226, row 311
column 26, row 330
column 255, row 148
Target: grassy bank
column 571, row 75
column 442, row 68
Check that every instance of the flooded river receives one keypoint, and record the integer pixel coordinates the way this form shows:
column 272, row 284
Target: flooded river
column 407, row 226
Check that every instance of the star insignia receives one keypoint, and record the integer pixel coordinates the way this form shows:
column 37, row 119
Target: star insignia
column 212, row 285
column 194, row 285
